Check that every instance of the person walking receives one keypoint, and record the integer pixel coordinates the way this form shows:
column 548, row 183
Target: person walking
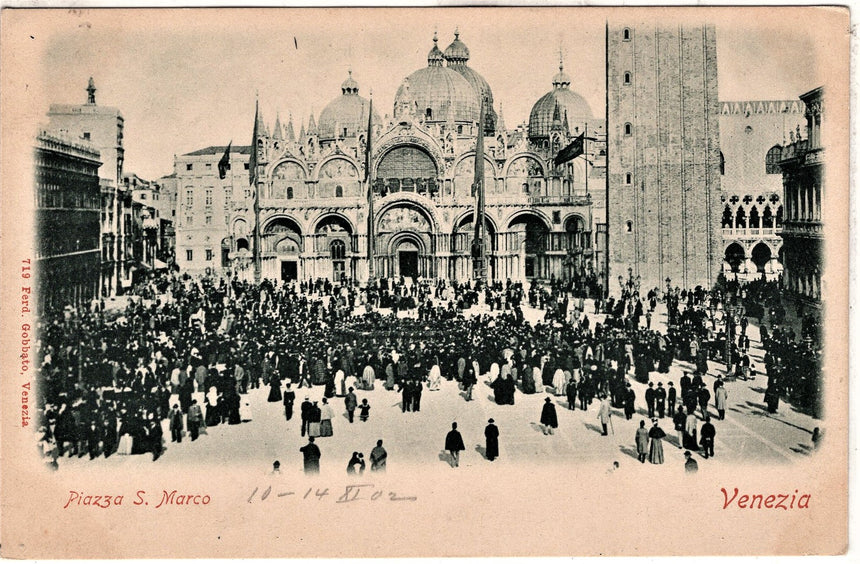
column 176, row 426
column 680, row 420
column 720, row 398
column 660, row 397
column 650, row 399
column 605, row 414
column 312, row 455
column 707, row 434
column 306, row 409
column 548, row 417
column 491, row 434
column 195, row 419
column 671, row 398
column 351, row 402
column 289, row 401
column 454, row 444
column 629, row 402
column 656, row 434
column 378, row 458
column 642, row 442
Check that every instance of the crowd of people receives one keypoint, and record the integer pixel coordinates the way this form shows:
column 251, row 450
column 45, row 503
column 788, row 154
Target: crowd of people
column 107, row 377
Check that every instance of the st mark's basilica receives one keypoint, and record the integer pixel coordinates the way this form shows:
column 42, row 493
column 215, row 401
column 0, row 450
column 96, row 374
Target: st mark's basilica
column 313, row 203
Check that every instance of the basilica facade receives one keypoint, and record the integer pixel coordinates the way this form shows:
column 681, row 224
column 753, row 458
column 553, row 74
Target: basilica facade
column 314, row 207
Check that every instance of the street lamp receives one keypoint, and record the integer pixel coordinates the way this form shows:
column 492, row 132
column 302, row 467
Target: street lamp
column 729, row 313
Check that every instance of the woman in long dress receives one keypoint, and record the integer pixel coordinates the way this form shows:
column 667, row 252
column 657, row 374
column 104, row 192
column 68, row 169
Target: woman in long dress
column 528, row 382
column 434, row 380
column 690, row 440
column 368, row 376
column 275, row 389
column 656, row 434
column 559, row 382
column 326, row 415
column 339, row 378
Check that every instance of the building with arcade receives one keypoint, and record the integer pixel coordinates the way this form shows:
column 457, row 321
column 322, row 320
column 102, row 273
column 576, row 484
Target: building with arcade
column 313, row 199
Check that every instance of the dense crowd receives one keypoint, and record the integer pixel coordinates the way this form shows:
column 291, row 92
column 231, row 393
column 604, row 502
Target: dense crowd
column 107, row 377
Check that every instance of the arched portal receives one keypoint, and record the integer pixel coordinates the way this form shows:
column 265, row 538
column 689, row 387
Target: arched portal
column 462, row 237
column 735, row 257
column 280, row 249
column 334, row 246
column 761, row 255
column 396, row 225
column 533, row 234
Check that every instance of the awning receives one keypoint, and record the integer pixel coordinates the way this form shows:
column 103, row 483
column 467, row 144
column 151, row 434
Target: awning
column 160, row 265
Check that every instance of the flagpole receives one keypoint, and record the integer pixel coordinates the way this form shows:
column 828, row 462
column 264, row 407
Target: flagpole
column 368, row 178
column 253, row 173
column 585, row 152
column 479, row 268
column 606, row 200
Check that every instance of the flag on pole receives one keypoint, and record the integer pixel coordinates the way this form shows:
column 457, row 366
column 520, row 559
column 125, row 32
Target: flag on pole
column 224, row 162
column 367, row 148
column 572, row 151
column 252, row 163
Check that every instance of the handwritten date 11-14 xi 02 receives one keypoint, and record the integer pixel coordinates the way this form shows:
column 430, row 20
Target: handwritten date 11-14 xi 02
column 350, row 493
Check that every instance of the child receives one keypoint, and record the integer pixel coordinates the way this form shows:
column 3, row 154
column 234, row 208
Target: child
column 365, row 410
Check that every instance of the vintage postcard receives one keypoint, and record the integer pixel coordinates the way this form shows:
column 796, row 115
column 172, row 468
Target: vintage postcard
column 424, row 282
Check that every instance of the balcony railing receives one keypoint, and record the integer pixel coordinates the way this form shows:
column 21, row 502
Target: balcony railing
column 751, row 231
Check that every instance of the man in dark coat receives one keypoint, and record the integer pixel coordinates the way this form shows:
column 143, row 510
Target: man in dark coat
column 660, row 399
column 306, row 409
column 289, row 400
column 311, row 453
column 176, row 424
column 491, row 433
column 571, row 395
column 195, row 418
column 650, row 398
column 351, row 401
column 629, row 402
column 707, row 434
column 548, row 417
column 672, row 397
column 454, row 444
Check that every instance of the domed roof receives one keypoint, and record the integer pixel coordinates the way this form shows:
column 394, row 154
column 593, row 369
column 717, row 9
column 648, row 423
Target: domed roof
column 568, row 101
column 482, row 89
column 435, row 56
column 348, row 111
column 457, row 50
column 434, row 90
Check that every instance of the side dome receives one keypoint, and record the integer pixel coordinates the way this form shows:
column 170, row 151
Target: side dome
column 569, row 102
column 437, row 93
column 345, row 116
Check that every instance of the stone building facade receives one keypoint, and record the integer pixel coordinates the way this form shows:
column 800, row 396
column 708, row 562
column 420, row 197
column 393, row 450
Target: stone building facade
column 802, row 165
column 103, row 127
column 664, row 152
column 67, row 195
column 751, row 137
column 314, row 200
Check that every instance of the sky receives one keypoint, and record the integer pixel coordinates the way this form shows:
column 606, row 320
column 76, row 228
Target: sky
column 189, row 80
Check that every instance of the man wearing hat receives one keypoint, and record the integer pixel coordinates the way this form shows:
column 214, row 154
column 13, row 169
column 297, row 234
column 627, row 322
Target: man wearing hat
column 642, row 442
column 548, row 417
column 306, row 409
column 690, row 466
column 491, row 433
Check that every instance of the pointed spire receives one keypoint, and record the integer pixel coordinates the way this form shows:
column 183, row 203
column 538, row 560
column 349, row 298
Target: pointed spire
column 278, row 133
column 556, row 116
column 91, row 92
column 302, row 134
column 565, row 126
column 312, row 124
column 500, row 121
column 259, row 123
column 291, row 133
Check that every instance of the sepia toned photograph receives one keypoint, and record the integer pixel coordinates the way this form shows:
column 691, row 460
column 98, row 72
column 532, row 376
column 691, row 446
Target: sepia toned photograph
column 419, row 282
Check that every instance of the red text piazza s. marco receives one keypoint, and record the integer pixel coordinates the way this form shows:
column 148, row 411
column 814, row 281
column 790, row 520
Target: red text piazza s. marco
column 784, row 501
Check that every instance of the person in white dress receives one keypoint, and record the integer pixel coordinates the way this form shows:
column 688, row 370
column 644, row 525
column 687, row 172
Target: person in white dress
column 434, row 380
column 559, row 382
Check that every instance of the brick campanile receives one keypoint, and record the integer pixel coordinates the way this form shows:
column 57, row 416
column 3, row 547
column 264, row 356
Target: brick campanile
column 663, row 174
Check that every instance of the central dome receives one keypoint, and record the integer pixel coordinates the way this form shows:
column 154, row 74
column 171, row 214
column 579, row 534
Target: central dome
column 438, row 94
column 457, row 55
column 568, row 101
column 345, row 116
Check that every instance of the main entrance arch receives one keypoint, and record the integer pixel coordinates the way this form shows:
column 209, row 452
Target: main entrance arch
column 405, row 238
